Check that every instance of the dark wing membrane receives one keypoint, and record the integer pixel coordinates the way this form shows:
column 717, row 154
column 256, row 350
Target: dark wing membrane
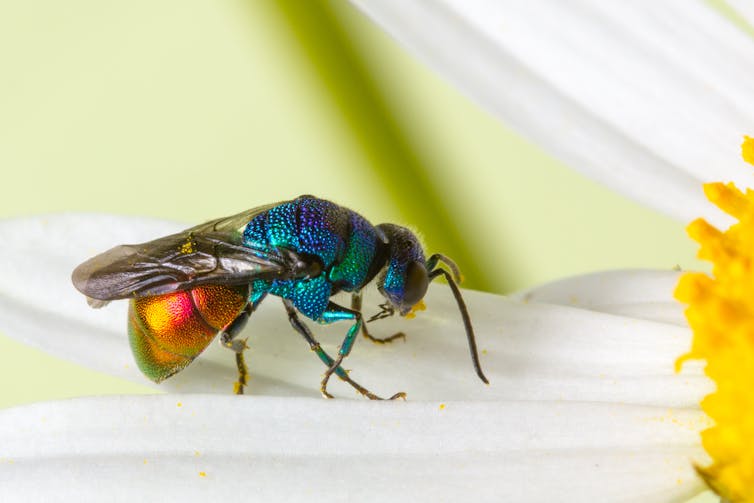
column 233, row 225
column 210, row 253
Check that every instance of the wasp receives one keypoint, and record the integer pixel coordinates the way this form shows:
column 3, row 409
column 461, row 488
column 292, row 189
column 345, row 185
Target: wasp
column 185, row 288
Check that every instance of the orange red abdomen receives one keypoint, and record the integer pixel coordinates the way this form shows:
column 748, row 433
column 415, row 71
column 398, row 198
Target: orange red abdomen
column 168, row 331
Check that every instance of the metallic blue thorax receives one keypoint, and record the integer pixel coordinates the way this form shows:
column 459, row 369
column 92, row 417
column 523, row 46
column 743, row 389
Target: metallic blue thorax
column 343, row 240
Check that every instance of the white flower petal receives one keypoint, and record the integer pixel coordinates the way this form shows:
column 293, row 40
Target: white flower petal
column 529, row 351
column 634, row 293
column 215, row 448
column 39, row 304
column 649, row 98
column 745, row 8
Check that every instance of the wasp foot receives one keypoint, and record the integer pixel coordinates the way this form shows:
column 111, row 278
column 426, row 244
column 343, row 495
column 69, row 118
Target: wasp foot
column 384, row 340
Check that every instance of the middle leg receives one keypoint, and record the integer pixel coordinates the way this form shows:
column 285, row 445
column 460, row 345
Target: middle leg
column 334, row 313
column 331, row 364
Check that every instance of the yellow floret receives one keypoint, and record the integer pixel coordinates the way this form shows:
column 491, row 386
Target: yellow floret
column 720, row 313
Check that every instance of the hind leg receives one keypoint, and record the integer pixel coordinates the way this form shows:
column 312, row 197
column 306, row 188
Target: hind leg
column 228, row 340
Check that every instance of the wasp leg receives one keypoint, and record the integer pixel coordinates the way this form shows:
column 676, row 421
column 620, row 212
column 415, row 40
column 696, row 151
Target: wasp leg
column 356, row 306
column 243, row 374
column 302, row 329
column 228, row 340
column 334, row 313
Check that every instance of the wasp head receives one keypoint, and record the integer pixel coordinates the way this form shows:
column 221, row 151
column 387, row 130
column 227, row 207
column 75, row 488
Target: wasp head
column 404, row 280
column 406, row 276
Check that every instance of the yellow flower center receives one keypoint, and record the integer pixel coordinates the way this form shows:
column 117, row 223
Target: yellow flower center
column 721, row 315
column 747, row 149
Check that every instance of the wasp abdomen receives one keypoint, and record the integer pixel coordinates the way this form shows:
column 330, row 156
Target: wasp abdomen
column 168, row 331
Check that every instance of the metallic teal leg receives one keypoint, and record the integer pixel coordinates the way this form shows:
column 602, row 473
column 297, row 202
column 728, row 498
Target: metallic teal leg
column 334, row 313
column 302, row 329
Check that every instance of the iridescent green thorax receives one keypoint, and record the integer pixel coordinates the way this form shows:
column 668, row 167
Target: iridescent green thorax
column 341, row 239
column 355, row 268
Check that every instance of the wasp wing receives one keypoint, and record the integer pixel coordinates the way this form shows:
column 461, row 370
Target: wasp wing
column 232, row 226
column 210, row 253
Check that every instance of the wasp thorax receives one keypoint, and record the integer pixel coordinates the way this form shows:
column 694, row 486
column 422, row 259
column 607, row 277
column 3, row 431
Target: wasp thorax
column 404, row 280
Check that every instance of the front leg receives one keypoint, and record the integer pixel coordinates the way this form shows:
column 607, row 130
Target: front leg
column 356, row 306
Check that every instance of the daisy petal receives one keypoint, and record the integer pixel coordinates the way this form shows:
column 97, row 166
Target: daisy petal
column 645, row 97
column 529, row 350
column 636, row 293
column 213, row 448
column 745, row 8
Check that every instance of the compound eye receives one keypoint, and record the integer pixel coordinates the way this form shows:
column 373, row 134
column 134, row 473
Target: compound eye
column 417, row 282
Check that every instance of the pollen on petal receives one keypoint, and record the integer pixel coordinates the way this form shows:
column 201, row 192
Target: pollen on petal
column 720, row 312
column 419, row 306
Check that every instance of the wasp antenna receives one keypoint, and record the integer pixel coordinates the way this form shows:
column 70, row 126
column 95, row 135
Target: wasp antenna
column 439, row 257
column 464, row 312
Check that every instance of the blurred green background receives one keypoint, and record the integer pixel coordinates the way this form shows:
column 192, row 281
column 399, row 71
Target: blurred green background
column 192, row 110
